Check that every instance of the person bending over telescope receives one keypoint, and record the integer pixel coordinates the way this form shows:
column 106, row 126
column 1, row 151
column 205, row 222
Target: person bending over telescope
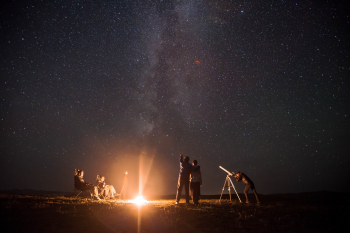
column 184, row 178
column 241, row 177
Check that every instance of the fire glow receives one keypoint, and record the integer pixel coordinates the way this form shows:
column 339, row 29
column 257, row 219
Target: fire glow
column 140, row 200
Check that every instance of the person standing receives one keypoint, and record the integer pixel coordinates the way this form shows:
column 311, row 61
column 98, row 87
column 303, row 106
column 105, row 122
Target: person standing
column 241, row 177
column 124, row 186
column 184, row 178
column 196, row 183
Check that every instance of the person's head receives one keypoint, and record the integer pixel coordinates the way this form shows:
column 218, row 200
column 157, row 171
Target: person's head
column 194, row 162
column 81, row 173
column 102, row 178
column 187, row 159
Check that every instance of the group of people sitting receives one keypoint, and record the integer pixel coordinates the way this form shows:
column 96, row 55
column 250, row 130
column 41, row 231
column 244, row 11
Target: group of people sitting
column 100, row 189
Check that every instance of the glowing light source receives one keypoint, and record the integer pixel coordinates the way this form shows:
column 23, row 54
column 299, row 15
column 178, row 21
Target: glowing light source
column 139, row 200
column 197, row 62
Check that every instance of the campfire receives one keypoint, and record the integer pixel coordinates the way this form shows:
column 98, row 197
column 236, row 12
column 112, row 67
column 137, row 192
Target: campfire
column 139, row 200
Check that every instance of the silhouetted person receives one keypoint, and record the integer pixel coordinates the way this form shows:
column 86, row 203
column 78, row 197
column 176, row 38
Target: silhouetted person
column 184, row 177
column 84, row 186
column 248, row 185
column 196, row 183
column 124, row 186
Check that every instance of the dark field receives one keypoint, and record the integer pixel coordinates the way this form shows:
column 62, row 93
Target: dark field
column 305, row 212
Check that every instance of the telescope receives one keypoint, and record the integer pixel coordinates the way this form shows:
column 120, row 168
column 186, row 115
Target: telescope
column 229, row 173
column 229, row 184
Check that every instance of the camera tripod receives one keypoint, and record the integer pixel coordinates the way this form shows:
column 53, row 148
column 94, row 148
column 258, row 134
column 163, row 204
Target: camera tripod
column 228, row 180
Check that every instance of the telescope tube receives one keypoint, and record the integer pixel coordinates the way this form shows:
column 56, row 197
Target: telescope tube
column 229, row 173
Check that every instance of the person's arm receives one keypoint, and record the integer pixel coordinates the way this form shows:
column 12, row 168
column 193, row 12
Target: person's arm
column 81, row 180
column 181, row 158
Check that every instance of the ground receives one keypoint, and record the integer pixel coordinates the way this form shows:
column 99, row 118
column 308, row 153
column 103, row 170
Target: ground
column 308, row 212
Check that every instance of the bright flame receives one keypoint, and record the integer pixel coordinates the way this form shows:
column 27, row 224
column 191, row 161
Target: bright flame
column 139, row 200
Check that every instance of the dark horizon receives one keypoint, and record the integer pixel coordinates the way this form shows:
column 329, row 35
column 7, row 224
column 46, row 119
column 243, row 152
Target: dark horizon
column 225, row 195
column 108, row 86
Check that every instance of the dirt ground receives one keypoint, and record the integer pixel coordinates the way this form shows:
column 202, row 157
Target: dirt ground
column 311, row 212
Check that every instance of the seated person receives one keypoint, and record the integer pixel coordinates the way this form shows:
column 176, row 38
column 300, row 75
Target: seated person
column 101, row 185
column 106, row 190
column 80, row 184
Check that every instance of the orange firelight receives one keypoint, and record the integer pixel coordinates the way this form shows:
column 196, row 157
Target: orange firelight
column 197, row 62
column 139, row 200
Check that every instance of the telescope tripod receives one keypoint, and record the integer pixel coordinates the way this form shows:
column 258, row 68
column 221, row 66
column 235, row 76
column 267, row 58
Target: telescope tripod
column 228, row 180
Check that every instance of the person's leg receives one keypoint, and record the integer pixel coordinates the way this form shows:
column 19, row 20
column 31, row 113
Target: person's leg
column 199, row 191
column 247, row 187
column 196, row 186
column 86, row 188
column 191, row 190
column 106, row 191
column 96, row 192
column 256, row 195
column 122, row 193
column 179, row 189
column 112, row 191
column 187, row 187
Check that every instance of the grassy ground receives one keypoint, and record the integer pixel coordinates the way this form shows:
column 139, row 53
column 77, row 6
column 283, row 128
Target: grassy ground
column 313, row 212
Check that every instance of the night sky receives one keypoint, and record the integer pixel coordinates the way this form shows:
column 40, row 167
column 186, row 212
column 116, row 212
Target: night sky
column 260, row 87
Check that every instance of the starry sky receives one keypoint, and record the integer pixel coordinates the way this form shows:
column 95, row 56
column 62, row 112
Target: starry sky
column 107, row 86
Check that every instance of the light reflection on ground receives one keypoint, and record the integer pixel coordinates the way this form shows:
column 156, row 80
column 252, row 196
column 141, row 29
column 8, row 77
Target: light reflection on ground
column 278, row 213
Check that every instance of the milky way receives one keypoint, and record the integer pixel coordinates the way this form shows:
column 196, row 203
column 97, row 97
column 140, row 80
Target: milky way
column 96, row 85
